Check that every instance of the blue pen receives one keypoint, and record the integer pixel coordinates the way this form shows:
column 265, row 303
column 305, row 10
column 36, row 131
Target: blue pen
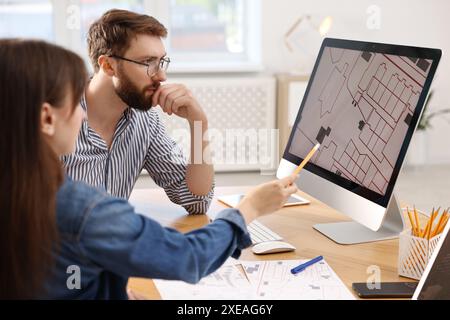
column 303, row 266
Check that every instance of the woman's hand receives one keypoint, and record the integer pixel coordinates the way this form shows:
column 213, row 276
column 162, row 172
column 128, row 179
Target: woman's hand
column 267, row 198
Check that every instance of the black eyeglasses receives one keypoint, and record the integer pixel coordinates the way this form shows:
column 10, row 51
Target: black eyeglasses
column 152, row 68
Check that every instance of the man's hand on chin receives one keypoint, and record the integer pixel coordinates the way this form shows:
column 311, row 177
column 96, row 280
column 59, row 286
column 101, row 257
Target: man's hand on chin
column 177, row 99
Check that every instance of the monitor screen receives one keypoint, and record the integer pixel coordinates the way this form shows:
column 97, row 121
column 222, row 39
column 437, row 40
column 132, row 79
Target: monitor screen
column 360, row 106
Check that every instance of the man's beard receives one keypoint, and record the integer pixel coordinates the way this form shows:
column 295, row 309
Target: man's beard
column 132, row 96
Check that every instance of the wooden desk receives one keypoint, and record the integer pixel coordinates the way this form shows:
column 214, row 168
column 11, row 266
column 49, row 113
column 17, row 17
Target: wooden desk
column 294, row 224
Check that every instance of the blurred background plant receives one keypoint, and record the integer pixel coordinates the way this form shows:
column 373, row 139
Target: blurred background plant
column 427, row 116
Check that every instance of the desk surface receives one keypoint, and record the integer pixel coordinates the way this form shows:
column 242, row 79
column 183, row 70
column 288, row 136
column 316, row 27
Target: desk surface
column 352, row 263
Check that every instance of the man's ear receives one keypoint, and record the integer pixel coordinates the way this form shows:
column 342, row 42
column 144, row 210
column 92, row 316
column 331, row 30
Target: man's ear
column 105, row 63
column 48, row 119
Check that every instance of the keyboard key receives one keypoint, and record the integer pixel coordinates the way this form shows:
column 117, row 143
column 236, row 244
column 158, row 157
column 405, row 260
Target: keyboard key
column 260, row 233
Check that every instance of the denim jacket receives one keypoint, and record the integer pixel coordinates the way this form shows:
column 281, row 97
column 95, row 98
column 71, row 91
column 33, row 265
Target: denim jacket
column 103, row 242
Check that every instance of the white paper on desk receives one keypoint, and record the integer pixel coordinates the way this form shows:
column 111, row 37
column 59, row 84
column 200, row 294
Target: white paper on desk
column 228, row 282
column 274, row 280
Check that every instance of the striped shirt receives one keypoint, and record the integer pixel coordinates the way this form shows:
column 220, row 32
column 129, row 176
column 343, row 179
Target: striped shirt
column 139, row 142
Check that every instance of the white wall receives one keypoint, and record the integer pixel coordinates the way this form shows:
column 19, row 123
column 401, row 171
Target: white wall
column 408, row 22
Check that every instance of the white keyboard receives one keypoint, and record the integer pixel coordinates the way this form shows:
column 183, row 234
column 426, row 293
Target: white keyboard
column 260, row 233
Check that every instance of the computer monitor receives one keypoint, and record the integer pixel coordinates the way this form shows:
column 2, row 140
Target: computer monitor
column 362, row 104
column 435, row 283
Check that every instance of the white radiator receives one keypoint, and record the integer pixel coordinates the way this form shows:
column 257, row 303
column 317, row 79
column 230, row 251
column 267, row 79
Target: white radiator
column 241, row 114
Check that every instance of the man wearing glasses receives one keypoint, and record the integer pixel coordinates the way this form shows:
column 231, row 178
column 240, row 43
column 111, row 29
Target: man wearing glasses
column 122, row 133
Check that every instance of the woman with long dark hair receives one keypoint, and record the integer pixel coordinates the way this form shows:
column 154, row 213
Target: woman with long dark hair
column 50, row 224
column 34, row 77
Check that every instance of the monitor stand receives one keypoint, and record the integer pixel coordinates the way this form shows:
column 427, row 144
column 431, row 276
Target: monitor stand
column 353, row 232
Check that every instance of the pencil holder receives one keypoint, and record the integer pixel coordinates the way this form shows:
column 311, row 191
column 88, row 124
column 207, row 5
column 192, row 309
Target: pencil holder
column 414, row 253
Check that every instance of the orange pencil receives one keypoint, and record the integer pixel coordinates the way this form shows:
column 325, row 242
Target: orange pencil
column 307, row 158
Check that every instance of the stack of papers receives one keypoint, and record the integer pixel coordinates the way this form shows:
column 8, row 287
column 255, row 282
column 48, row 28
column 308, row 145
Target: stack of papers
column 260, row 280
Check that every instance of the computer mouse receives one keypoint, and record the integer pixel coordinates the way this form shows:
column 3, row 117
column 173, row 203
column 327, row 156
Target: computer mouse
column 272, row 247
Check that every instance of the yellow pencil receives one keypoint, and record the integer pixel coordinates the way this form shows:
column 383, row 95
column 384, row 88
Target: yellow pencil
column 413, row 227
column 307, row 158
column 438, row 226
column 433, row 216
column 424, row 233
column 417, row 222
column 428, row 226
column 444, row 223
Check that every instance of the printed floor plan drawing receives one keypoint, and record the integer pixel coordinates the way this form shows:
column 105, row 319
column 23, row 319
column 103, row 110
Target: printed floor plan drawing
column 273, row 280
column 359, row 109
column 260, row 280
